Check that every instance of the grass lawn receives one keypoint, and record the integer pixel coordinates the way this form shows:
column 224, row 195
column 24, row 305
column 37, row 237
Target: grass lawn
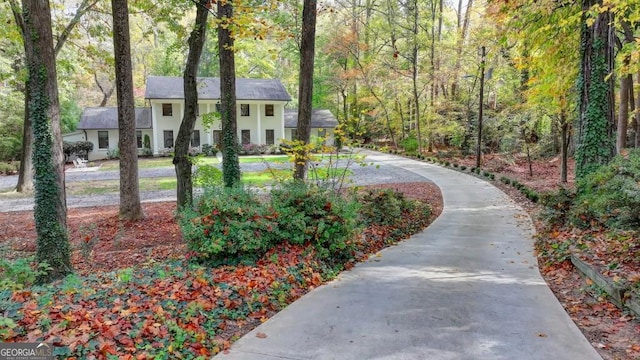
column 151, row 163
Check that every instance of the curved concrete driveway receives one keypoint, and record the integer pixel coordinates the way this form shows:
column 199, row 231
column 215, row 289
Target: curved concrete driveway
column 465, row 288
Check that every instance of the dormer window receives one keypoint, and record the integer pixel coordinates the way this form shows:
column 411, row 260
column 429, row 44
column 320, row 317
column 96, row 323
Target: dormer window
column 268, row 110
column 244, row 109
column 167, row 109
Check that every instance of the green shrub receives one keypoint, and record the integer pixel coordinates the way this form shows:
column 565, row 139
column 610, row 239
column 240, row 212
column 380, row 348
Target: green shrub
column 207, row 175
column 228, row 225
column 146, row 142
column 446, row 163
column 557, row 206
column 308, row 213
column 9, row 168
column 113, row 154
column 505, row 180
column 463, row 167
column 383, row 207
column 410, row 144
column 455, row 165
column 530, row 194
column 610, row 196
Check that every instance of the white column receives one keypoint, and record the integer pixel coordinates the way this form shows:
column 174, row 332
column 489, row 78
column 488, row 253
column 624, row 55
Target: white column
column 210, row 132
column 259, row 119
column 284, row 133
column 154, row 127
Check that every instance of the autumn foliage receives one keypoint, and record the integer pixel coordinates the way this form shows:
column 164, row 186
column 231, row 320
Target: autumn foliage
column 168, row 309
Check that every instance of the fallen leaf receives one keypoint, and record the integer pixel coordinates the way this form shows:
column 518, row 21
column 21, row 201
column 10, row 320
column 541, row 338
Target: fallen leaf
column 261, row 335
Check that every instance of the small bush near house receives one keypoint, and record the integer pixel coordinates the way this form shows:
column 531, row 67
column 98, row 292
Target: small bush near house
column 209, row 150
column 113, row 154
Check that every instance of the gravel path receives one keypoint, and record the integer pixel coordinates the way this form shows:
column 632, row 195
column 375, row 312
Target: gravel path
column 373, row 173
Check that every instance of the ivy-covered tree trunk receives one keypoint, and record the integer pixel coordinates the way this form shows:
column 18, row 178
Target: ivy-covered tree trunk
column 305, row 88
column 130, row 207
column 50, row 210
column 230, row 161
column 181, row 158
column 596, row 121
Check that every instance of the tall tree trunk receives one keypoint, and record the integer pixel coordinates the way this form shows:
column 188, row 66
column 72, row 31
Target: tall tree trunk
column 564, row 148
column 637, row 115
column 130, row 207
column 230, row 161
column 414, row 74
column 463, row 29
column 50, row 211
column 181, row 159
column 623, row 111
column 305, row 91
column 25, row 176
column 632, row 109
column 106, row 93
column 596, row 142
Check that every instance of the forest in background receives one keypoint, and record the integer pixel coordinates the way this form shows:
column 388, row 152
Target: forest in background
column 404, row 73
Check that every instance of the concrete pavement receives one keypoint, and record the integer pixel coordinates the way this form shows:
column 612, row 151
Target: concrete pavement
column 466, row 288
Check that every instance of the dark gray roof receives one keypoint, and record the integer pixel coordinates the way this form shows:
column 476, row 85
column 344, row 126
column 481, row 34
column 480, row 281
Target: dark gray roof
column 107, row 118
column 319, row 119
column 166, row 87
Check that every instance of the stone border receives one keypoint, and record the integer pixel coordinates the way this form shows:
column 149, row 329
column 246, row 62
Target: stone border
column 621, row 296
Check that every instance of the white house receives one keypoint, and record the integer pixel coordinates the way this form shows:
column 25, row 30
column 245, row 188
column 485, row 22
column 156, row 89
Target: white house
column 100, row 126
column 261, row 116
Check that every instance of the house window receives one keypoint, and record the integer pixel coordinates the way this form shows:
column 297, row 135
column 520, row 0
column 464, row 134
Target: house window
column 294, row 134
column 244, row 109
column 268, row 110
column 168, row 139
column 270, row 137
column 195, row 138
column 216, row 137
column 167, row 110
column 139, row 138
column 246, row 137
column 103, row 139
